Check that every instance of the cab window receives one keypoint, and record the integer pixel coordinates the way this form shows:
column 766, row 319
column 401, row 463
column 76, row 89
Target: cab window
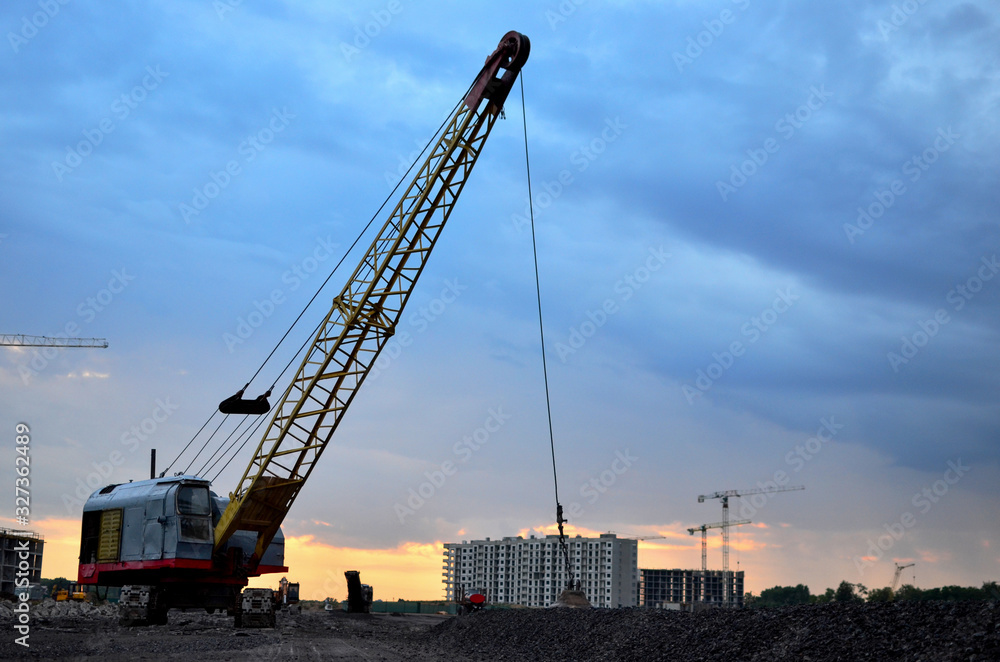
column 193, row 500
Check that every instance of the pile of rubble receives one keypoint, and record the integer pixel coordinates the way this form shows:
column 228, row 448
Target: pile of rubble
column 49, row 608
column 836, row 631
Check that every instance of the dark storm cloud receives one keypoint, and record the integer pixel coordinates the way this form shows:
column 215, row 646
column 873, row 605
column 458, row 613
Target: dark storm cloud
column 738, row 138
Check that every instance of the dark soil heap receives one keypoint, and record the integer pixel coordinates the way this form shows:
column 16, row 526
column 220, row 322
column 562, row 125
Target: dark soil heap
column 928, row 631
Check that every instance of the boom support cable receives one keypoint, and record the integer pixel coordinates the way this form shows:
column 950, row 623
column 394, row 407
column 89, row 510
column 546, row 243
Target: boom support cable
column 247, row 435
column 200, row 450
column 541, row 333
column 311, row 300
column 188, row 445
column 201, row 471
column 351, row 248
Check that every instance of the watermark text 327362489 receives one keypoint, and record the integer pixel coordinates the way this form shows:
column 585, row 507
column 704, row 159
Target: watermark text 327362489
column 22, row 462
column 22, row 513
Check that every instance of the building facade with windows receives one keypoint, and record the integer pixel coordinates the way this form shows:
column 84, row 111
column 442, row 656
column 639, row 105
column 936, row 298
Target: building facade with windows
column 20, row 558
column 683, row 589
column 531, row 571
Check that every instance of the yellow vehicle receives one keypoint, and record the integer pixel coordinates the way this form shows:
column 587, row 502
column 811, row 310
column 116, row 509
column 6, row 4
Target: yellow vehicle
column 74, row 592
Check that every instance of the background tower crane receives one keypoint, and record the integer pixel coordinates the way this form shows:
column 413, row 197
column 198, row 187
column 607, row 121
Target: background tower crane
column 18, row 340
column 704, row 542
column 724, row 496
column 899, row 571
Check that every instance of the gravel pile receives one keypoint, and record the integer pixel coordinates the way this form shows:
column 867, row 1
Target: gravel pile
column 865, row 631
column 49, row 608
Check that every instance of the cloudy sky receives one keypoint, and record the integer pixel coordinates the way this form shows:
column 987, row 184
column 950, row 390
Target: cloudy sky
column 767, row 241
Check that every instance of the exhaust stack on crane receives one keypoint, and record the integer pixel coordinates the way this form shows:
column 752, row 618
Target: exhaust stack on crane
column 171, row 542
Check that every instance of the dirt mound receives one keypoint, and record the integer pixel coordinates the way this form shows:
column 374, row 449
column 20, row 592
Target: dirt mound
column 927, row 631
column 49, row 608
column 866, row 631
column 572, row 599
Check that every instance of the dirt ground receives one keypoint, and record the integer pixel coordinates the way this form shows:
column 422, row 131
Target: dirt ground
column 312, row 635
column 876, row 632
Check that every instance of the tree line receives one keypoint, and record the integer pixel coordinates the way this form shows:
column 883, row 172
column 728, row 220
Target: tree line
column 799, row 594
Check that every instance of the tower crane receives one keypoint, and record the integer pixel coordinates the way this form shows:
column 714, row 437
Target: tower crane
column 899, row 571
column 704, row 542
column 724, row 496
column 631, row 537
column 19, row 340
column 171, row 542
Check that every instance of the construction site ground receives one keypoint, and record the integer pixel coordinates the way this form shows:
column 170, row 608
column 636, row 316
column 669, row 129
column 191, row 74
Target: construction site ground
column 928, row 631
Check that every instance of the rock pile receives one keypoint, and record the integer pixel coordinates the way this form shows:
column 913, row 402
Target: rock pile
column 572, row 599
column 49, row 608
column 837, row 631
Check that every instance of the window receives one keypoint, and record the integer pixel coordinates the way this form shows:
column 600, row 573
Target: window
column 193, row 500
column 196, row 529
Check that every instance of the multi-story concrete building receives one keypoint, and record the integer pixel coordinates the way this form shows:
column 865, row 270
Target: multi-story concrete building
column 531, row 571
column 17, row 548
column 682, row 589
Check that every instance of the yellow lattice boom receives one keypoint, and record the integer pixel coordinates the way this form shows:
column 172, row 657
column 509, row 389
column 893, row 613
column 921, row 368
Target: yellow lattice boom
column 365, row 313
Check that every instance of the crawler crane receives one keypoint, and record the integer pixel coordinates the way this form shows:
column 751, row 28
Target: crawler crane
column 172, row 542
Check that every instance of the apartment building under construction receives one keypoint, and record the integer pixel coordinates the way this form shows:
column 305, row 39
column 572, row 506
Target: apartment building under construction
column 531, row 571
column 687, row 590
column 20, row 558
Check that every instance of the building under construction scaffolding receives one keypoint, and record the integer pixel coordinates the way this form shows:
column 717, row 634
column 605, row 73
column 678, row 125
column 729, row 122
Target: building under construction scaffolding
column 20, row 558
column 687, row 589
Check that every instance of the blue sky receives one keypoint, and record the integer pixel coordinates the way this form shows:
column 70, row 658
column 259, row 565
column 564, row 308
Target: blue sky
column 756, row 222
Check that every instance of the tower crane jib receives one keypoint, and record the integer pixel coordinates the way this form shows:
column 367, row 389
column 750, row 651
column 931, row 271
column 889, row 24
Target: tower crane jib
column 724, row 497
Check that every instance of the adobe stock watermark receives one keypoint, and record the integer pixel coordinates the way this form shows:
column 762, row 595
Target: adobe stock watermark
column 334, row 584
column 33, row 24
column 913, row 168
column 714, row 27
column 594, row 488
column 958, row 297
column 786, row 127
column 403, row 165
column 581, row 159
column 462, row 451
column 364, row 34
column 223, row 7
column 752, row 331
column 796, row 459
column 923, row 501
column 419, row 321
column 88, row 310
column 250, row 148
column 751, row 504
column 293, row 277
column 561, row 13
column 121, row 109
column 803, row 453
column 901, row 13
column 130, row 441
column 625, row 288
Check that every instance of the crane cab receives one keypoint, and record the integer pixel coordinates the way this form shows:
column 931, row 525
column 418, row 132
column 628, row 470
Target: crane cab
column 135, row 532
